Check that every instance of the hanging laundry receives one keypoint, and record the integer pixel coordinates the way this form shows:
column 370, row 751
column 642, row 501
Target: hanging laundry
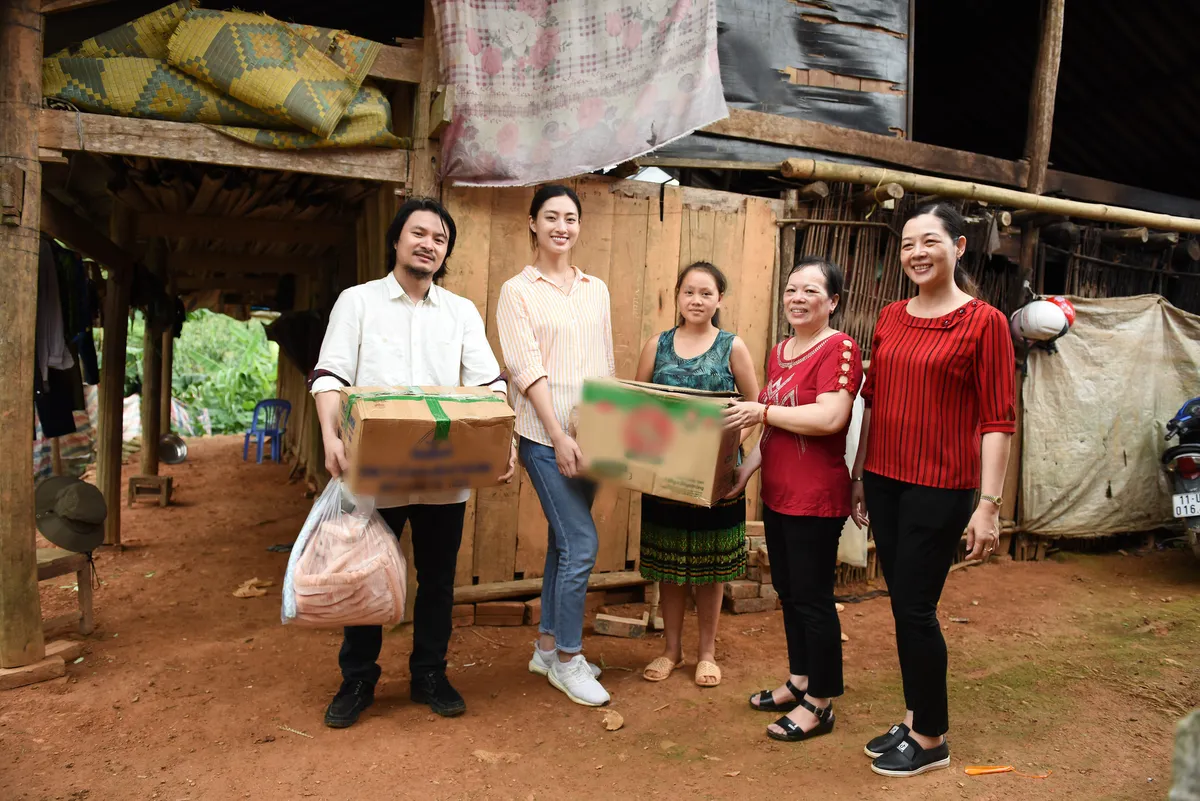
column 51, row 348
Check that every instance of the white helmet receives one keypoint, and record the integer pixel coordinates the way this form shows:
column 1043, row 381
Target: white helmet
column 1039, row 321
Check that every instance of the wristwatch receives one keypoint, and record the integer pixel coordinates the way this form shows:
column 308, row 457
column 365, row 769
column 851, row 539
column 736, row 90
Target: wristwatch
column 996, row 499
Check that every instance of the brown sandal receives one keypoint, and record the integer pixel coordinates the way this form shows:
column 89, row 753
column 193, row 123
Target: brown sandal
column 707, row 670
column 660, row 669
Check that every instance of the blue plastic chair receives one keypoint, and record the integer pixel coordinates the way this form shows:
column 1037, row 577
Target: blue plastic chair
column 270, row 420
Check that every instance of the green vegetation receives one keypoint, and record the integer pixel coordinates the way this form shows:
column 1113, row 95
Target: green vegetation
column 221, row 364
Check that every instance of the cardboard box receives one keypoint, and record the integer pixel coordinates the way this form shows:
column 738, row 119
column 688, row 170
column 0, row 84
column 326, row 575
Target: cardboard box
column 659, row 440
column 424, row 439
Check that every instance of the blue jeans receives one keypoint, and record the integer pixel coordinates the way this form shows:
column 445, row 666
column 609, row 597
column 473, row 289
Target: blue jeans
column 572, row 545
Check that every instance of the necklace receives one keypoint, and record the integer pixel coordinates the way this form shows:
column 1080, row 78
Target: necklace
column 811, row 341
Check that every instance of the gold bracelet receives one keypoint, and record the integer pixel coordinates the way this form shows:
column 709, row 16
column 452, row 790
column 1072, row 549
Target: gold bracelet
column 996, row 499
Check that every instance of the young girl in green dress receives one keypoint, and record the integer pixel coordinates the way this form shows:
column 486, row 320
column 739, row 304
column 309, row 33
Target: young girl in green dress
column 684, row 544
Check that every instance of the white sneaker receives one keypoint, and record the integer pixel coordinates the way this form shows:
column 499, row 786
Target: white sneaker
column 576, row 680
column 540, row 664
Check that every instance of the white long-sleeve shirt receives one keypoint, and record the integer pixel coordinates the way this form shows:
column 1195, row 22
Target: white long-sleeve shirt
column 379, row 337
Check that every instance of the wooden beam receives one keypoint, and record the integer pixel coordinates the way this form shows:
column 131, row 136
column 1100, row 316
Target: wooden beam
column 58, row 6
column 239, row 229
column 1041, row 120
column 184, row 263
column 1128, row 236
column 112, row 378
column 681, row 162
column 62, row 223
column 494, row 591
column 878, row 195
column 814, row 191
column 21, row 641
column 182, row 141
column 808, row 169
column 398, row 64
column 1097, row 190
column 760, row 127
column 226, row 284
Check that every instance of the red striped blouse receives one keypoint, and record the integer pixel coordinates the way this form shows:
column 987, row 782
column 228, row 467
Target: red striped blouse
column 935, row 386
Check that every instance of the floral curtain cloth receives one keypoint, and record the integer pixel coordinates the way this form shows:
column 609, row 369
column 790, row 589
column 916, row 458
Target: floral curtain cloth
column 547, row 89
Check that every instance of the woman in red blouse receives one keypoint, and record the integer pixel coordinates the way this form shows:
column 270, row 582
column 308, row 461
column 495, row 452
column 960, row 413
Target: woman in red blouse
column 937, row 426
column 812, row 378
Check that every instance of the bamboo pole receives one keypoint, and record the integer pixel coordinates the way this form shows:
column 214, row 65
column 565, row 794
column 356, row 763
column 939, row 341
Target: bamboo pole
column 112, row 376
column 21, row 640
column 828, row 171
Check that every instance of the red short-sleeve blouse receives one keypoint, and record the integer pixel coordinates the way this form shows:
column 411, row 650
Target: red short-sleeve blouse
column 804, row 475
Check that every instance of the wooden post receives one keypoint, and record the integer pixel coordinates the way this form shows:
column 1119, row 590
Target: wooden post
column 1041, row 118
column 168, row 372
column 56, row 462
column 423, row 172
column 21, row 640
column 152, row 364
column 112, row 376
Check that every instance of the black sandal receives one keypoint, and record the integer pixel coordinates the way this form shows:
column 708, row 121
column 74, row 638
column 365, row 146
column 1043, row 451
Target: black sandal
column 766, row 700
column 792, row 731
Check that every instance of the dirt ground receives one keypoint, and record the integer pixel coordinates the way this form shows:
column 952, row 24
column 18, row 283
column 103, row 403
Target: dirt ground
column 1079, row 665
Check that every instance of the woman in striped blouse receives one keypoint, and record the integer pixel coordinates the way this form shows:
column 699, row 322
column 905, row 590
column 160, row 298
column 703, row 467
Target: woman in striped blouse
column 939, row 419
column 555, row 331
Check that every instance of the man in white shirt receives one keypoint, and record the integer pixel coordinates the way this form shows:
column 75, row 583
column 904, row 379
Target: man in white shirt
column 405, row 330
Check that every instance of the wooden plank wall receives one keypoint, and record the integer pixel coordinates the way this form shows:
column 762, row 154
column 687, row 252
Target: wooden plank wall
column 635, row 237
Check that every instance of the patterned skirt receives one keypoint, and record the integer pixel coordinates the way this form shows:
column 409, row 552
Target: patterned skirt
column 685, row 544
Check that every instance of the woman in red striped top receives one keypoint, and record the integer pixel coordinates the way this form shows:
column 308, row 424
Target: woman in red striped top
column 939, row 419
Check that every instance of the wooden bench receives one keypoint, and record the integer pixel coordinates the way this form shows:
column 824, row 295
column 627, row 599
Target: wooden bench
column 150, row 486
column 55, row 562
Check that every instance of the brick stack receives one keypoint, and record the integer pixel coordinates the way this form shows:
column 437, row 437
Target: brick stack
column 754, row 593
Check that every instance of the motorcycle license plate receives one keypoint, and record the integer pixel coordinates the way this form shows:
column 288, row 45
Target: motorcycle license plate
column 1187, row 504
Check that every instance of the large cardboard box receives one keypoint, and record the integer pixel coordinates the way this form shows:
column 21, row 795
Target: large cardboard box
column 659, row 440
column 424, row 439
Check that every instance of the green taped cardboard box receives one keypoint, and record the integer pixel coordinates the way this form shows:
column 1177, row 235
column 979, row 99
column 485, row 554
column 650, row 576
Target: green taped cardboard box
column 424, row 439
column 659, row 440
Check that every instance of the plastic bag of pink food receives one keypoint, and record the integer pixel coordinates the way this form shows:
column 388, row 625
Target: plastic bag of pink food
column 346, row 568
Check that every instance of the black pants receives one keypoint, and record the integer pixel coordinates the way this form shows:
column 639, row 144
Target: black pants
column 917, row 530
column 803, row 554
column 436, row 535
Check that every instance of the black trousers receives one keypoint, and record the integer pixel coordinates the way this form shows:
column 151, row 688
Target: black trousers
column 917, row 530
column 436, row 535
column 803, row 554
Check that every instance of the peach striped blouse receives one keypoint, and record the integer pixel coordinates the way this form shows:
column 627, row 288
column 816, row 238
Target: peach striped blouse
column 562, row 336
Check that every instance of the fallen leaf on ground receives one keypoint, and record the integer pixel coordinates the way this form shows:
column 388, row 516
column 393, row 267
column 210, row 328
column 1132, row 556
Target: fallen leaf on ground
column 496, row 757
column 840, row 607
column 960, row 620
column 613, row 720
column 666, row 745
column 733, row 773
column 1168, row 661
column 252, row 588
column 844, row 637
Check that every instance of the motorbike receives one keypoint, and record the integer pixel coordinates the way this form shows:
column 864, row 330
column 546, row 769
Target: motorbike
column 1182, row 463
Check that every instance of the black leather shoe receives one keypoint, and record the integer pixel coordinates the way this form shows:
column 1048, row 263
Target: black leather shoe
column 348, row 704
column 886, row 741
column 910, row 759
column 435, row 689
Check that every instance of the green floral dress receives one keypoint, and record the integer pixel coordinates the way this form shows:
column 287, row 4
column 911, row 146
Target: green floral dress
column 682, row 543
